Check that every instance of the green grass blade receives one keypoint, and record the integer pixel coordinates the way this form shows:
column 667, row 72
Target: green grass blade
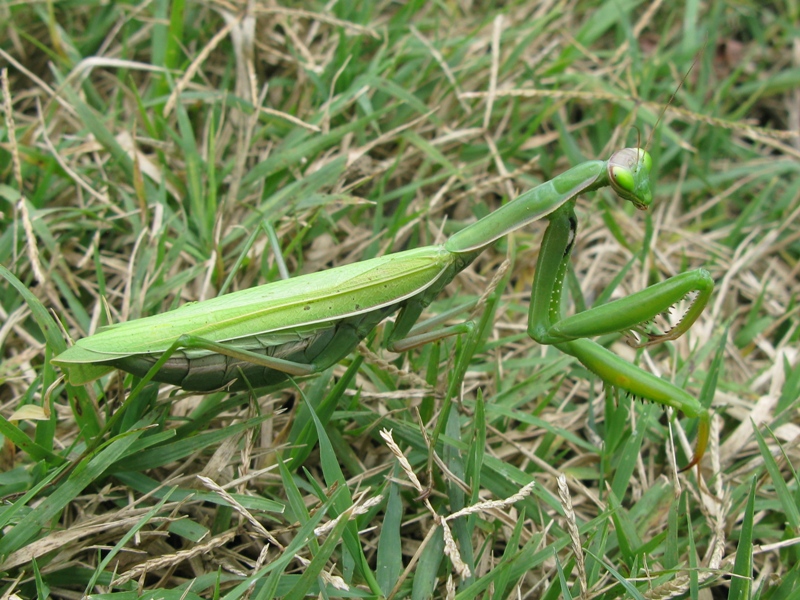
column 742, row 581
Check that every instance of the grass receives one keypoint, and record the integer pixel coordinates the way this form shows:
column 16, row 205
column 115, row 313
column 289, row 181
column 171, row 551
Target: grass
column 161, row 153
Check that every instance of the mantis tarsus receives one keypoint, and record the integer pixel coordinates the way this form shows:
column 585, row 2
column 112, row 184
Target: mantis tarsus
column 304, row 325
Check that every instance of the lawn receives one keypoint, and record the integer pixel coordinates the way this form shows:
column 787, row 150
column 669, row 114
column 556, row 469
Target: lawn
column 158, row 154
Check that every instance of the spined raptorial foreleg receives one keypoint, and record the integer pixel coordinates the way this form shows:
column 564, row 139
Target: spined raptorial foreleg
column 633, row 312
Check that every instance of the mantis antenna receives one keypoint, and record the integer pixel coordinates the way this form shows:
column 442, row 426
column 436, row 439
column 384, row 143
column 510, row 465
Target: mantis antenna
column 672, row 97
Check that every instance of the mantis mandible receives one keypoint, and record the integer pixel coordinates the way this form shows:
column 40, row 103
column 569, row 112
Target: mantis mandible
column 263, row 335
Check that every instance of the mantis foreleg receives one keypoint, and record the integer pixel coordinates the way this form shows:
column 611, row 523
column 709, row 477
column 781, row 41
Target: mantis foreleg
column 625, row 314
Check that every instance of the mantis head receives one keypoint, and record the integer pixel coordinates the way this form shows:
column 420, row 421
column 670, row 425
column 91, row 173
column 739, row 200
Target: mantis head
column 629, row 174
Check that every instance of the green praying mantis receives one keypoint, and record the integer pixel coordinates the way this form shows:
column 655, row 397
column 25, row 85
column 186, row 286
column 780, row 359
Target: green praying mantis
column 263, row 335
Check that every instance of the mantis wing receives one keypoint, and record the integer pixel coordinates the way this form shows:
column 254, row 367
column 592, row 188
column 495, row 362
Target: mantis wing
column 317, row 298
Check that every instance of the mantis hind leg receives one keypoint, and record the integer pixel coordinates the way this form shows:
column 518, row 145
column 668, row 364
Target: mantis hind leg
column 217, row 369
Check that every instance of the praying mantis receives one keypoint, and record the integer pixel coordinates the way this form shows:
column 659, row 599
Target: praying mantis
column 263, row 335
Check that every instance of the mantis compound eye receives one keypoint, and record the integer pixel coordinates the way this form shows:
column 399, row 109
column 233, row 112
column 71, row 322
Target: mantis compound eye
column 622, row 178
column 645, row 160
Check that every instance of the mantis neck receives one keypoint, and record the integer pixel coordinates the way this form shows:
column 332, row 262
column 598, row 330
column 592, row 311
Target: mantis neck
column 530, row 206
